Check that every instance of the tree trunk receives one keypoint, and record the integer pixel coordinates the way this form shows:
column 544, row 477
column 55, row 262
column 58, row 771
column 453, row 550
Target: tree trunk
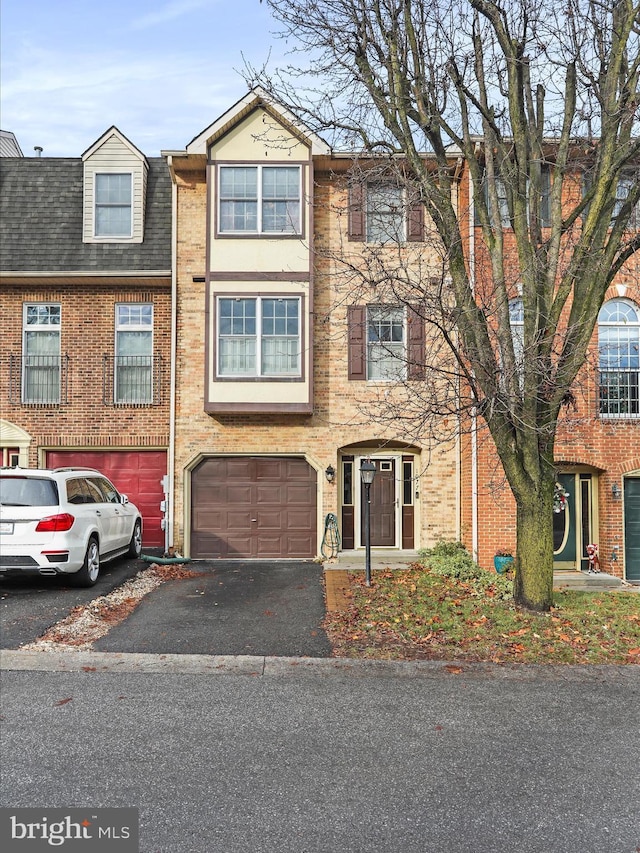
column 533, row 585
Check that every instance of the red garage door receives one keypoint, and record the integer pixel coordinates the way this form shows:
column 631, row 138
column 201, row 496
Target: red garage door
column 136, row 473
column 253, row 506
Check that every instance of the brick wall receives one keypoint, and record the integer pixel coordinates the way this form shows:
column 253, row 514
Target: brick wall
column 87, row 333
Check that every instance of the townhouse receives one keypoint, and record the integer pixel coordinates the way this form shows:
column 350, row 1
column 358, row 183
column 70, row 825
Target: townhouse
column 278, row 355
column 597, row 450
column 85, row 276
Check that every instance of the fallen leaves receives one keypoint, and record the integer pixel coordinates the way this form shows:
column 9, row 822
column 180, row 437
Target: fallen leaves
column 417, row 615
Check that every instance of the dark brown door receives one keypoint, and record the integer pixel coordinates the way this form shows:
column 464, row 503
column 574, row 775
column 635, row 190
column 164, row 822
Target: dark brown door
column 253, row 506
column 383, row 505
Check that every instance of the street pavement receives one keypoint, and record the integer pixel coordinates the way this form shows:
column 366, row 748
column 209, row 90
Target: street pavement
column 365, row 759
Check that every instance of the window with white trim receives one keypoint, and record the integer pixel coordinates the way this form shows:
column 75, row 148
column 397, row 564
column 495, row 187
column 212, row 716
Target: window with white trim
column 113, row 205
column 625, row 185
column 260, row 200
column 133, row 380
column 258, row 337
column 619, row 358
column 386, row 213
column 386, row 344
column 41, row 353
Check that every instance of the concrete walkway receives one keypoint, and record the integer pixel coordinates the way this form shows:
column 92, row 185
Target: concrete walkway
column 336, row 575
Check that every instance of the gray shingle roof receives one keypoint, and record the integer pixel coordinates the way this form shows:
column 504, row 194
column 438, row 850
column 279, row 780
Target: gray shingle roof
column 41, row 220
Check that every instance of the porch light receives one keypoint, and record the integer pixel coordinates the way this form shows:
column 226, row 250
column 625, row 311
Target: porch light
column 616, row 492
column 330, row 473
column 367, row 473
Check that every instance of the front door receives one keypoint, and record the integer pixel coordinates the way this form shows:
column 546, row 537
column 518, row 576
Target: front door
column 632, row 528
column 573, row 528
column 383, row 505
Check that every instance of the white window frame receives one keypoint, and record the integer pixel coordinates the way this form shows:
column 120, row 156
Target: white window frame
column 259, row 336
column 260, row 201
column 119, row 396
column 377, row 214
column 28, row 329
column 628, row 377
column 627, row 181
column 110, row 237
column 386, row 348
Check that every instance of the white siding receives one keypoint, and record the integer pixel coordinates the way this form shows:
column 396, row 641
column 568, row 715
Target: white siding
column 115, row 156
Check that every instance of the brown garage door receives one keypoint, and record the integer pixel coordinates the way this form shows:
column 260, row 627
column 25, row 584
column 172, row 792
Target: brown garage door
column 253, row 506
column 136, row 473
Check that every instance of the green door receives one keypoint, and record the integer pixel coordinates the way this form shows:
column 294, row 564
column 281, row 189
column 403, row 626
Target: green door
column 632, row 528
column 564, row 527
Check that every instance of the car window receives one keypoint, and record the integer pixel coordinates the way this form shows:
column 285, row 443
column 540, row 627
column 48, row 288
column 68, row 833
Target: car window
column 28, row 491
column 76, row 491
column 94, row 495
column 110, row 495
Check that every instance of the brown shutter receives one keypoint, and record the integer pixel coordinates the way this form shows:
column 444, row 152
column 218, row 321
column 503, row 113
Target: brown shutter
column 356, row 320
column 415, row 223
column 415, row 344
column 356, row 212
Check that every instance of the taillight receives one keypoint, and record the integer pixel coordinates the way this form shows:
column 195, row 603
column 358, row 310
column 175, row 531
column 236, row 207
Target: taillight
column 55, row 523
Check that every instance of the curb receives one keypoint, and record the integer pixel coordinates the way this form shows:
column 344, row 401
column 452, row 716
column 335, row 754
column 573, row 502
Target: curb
column 263, row 666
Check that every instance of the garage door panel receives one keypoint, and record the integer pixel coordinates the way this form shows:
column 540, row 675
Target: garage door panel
column 275, row 494
column 299, row 520
column 269, row 520
column 272, row 497
column 303, row 495
column 238, row 520
column 300, row 543
column 269, row 469
column 237, row 495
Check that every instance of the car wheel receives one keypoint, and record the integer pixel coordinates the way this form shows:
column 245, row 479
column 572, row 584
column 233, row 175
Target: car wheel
column 88, row 574
column 135, row 546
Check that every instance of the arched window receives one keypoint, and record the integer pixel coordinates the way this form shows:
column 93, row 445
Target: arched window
column 619, row 358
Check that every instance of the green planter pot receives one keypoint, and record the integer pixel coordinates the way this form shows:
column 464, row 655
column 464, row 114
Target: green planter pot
column 502, row 564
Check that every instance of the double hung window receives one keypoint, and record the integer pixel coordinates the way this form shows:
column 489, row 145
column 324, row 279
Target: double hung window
column 113, row 205
column 41, row 354
column 260, row 200
column 258, row 336
column 619, row 358
column 133, row 382
column 625, row 185
column 385, row 342
column 386, row 214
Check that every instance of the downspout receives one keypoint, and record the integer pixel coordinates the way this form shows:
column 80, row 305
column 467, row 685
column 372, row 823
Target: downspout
column 169, row 518
column 474, row 415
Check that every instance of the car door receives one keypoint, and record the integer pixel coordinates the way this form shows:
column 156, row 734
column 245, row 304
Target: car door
column 105, row 514
column 118, row 513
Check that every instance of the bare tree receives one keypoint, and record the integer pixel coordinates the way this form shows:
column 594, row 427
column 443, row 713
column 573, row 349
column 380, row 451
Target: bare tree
column 541, row 101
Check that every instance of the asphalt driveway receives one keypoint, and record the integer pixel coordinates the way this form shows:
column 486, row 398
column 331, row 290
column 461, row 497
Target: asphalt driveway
column 230, row 608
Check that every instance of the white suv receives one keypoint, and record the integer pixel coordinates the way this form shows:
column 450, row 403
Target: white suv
column 64, row 521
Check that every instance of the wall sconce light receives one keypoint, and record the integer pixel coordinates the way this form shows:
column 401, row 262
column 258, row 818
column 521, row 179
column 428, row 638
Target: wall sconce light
column 616, row 492
column 330, row 473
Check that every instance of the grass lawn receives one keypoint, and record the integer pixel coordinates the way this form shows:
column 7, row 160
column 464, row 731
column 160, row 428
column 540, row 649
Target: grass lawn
column 416, row 614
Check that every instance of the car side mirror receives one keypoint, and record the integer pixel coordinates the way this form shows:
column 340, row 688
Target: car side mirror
column 124, row 499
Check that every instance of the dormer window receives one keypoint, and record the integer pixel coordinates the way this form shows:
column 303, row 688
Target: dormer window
column 114, row 190
column 113, row 205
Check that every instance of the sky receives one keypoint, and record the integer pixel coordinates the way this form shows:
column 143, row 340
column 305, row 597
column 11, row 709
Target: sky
column 160, row 70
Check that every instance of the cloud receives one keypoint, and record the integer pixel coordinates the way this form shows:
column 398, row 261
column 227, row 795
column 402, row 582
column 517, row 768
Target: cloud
column 169, row 12
column 158, row 102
